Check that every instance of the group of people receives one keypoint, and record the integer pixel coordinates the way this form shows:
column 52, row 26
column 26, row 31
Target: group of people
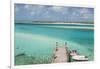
column 73, row 53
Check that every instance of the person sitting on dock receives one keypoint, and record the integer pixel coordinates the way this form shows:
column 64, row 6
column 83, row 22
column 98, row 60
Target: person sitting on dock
column 73, row 53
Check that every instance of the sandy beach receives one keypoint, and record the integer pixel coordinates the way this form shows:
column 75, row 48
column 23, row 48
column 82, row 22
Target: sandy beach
column 60, row 23
column 72, row 27
column 67, row 23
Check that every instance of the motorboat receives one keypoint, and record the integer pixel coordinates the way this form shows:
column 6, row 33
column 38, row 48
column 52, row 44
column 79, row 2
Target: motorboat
column 77, row 57
column 80, row 58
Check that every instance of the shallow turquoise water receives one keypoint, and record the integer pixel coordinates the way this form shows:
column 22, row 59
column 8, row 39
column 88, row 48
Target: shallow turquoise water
column 39, row 40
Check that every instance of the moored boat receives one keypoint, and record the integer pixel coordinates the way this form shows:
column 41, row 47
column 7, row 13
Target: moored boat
column 80, row 58
column 76, row 57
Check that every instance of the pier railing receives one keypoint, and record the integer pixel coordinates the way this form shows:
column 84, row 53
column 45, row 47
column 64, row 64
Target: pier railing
column 61, row 53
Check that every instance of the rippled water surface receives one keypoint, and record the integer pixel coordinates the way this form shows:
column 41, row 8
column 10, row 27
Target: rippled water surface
column 35, row 44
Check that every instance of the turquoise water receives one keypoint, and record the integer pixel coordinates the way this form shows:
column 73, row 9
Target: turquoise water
column 35, row 44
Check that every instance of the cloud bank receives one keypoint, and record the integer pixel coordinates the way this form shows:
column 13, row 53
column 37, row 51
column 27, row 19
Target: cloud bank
column 53, row 13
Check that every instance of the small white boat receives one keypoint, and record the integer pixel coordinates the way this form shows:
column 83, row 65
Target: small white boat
column 80, row 58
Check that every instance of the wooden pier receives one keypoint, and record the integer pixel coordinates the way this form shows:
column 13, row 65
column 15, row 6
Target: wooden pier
column 60, row 54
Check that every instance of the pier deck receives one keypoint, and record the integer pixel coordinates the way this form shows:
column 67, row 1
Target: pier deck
column 61, row 55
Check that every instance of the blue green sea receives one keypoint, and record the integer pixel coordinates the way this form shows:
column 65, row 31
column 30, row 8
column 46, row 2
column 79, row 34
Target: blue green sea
column 35, row 43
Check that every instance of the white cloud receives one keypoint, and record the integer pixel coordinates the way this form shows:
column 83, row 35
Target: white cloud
column 33, row 7
column 27, row 6
column 46, row 15
column 83, row 11
column 16, row 9
column 32, row 13
column 86, row 16
column 40, row 6
column 57, row 9
column 74, row 14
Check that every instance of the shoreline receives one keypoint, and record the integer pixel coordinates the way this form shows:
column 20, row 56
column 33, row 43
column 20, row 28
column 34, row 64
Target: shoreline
column 85, row 28
column 61, row 27
column 57, row 23
column 69, row 23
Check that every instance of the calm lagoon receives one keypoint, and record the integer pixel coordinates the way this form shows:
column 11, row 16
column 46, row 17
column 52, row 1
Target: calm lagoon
column 35, row 43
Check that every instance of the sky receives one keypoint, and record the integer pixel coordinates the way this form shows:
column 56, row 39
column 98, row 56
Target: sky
column 53, row 13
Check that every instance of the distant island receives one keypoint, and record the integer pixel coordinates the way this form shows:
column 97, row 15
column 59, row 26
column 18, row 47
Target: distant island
column 53, row 22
